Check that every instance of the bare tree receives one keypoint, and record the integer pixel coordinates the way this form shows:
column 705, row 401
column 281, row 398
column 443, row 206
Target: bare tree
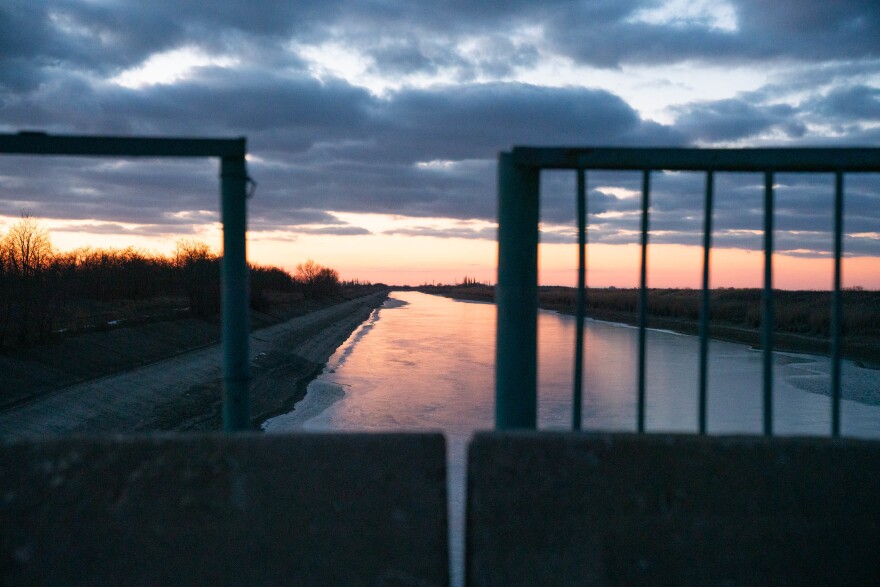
column 200, row 271
column 27, row 247
column 306, row 272
column 26, row 253
column 317, row 280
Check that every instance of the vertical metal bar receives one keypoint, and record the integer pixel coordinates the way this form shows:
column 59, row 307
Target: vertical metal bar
column 704, row 301
column 836, row 306
column 234, row 300
column 581, row 298
column 767, row 319
column 643, row 301
column 516, row 364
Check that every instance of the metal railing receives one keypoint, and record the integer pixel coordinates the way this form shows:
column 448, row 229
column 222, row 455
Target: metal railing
column 233, row 198
column 517, row 289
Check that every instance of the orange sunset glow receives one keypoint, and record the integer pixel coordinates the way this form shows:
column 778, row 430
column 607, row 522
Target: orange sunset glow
column 400, row 259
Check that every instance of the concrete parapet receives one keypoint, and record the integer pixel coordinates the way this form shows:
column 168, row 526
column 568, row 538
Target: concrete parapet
column 245, row 509
column 620, row 509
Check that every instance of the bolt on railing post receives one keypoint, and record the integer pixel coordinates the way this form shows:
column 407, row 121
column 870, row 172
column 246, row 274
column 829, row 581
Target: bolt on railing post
column 516, row 296
column 234, row 298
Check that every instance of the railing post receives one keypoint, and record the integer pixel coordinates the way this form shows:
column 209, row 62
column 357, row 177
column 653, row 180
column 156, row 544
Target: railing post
column 704, row 305
column 234, row 298
column 767, row 315
column 836, row 306
column 578, row 392
column 516, row 371
column 643, row 302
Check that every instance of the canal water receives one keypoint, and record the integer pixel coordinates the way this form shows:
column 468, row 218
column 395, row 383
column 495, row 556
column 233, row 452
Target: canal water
column 424, row 362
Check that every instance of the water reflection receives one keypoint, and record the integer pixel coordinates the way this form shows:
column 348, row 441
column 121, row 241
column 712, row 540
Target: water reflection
column 425, row 362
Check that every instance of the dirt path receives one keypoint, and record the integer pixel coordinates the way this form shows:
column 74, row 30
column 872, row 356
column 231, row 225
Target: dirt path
column 183, row 392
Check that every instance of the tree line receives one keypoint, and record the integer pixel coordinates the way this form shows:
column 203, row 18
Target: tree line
column 797, row 312
column 43, row 290
column 802, row 321
column 805, row 312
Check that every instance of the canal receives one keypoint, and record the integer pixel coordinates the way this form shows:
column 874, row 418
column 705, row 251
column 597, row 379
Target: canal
column 424, row 362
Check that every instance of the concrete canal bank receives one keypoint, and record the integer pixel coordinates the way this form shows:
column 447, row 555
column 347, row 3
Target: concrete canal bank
column 183, row 391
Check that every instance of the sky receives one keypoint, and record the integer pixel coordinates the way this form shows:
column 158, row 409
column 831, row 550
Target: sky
column 373, row 127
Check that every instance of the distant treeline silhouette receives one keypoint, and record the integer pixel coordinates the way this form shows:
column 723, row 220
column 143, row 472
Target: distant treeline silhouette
column 798, row 314
column 43, row 291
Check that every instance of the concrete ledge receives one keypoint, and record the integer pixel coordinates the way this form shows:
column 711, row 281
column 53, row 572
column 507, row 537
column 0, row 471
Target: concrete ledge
column 251, row 509
column 565, row 508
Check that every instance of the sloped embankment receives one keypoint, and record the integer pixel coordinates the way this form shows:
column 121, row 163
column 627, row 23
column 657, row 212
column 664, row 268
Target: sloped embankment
column 183, row 391
column 35, row 371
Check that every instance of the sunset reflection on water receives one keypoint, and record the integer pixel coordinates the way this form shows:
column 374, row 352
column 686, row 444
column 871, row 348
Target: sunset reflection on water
column 424, row 362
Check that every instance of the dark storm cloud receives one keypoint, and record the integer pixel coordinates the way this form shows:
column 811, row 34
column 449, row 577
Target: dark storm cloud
column 472, row 121
column 404, row 56
column 606, row 33
column 55, row 36
column 150, row 192
column 104, row 38
column 215, row 101
column 377, row 170
column 328, row 144
column 494, row 56
column 848, row 103
column 464, row 127
column 845, row 112
column 734, row 119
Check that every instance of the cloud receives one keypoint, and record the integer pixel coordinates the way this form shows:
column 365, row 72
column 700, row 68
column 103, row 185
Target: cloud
column 103, row 228
column 332, row 230
column 483, row 233
column 607, row 34
column 803, row 211
column 472, row 121
column 859, row 102
column 474, row 38
column 735, row 119
column 426, row 146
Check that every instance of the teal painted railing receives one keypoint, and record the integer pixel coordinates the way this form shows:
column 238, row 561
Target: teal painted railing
column 233, row 196
column 516, row 293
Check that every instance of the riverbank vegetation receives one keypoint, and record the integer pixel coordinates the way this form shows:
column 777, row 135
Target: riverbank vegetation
column 802, row 321
column 46, row 294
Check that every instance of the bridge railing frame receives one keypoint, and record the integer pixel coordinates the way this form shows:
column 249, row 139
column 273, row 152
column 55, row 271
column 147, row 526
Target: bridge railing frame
column 517, row 289
column 233, row 205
